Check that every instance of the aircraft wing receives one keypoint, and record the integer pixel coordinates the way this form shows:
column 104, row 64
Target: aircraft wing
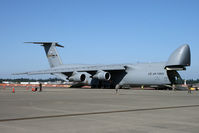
column 93, row 68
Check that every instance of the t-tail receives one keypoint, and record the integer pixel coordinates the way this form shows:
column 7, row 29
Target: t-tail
column 51, row 52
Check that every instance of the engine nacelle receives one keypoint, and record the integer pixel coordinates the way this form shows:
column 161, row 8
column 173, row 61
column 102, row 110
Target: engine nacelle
column 77, row 77
column 88, row 79
column 101, row 75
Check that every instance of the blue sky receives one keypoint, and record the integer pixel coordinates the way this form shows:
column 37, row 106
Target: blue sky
column 97, row 32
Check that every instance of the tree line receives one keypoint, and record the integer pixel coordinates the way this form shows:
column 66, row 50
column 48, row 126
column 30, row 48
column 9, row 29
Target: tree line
column 18, row 80
column 191, row 81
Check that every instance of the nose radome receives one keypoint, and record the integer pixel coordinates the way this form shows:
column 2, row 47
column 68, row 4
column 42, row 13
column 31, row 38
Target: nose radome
column 180, row 57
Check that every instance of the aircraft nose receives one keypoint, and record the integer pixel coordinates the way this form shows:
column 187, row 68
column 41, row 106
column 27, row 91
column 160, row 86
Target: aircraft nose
column 180, row 57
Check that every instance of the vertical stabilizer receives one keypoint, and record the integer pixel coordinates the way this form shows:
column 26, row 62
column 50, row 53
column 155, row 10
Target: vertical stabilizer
column 51, row 52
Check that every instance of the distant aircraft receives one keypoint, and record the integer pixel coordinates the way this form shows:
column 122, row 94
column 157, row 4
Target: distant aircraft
column 118, row 75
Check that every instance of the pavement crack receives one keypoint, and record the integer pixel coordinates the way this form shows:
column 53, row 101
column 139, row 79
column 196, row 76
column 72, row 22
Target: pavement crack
column 98, row 113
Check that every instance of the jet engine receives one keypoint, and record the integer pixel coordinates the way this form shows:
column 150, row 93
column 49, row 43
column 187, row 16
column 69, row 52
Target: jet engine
column 77, row 77
column 101, row 75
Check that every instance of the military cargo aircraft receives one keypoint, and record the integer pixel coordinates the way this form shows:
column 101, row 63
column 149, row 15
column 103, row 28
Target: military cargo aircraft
column 164, row 74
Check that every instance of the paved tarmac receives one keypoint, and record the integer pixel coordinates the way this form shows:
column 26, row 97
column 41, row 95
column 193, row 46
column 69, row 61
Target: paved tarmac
column 98, row 111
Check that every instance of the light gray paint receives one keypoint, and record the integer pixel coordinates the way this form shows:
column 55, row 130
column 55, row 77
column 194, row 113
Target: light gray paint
column 146, row 74
column 121, row 74
column 51, row 53
column 180, row 57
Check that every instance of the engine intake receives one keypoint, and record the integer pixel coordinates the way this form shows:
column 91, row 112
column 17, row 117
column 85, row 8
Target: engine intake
column 101, row 75
column 77, row 77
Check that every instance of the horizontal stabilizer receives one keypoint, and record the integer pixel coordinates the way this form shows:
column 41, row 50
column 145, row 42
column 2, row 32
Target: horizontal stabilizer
column 46, row 43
